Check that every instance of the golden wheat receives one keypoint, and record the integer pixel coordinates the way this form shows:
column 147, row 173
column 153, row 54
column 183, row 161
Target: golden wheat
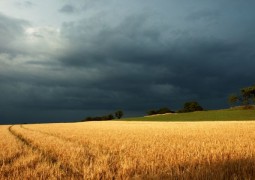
column 21, row 161
column 136, row 150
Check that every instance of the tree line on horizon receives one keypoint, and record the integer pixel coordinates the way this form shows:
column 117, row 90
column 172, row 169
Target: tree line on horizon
column 188, row 107
column 117, row 115
column 245, row 97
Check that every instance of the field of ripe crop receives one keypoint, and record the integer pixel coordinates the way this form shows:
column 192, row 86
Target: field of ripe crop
column 128, row 150
column 19, row 160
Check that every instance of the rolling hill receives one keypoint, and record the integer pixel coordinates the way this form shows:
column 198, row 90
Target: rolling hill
column 212, row 115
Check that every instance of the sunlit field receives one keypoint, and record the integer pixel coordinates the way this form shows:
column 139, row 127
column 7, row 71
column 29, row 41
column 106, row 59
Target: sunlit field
column 212, row 115
column 128, row 150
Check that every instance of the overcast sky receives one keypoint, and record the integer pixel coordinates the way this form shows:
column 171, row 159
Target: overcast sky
column 63, row 60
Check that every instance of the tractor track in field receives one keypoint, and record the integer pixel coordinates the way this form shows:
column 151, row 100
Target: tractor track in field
column 51, row 159
column 85, row 147
column 11, row 159
column 57, row 136
column 49, row 134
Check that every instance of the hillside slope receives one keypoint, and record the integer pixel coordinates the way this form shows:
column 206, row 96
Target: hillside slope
column 214, row 115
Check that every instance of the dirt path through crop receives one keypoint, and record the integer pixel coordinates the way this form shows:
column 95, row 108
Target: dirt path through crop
column 49, row 158
column 10, row 160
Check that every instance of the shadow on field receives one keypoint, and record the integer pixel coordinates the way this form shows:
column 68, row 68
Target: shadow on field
column 229, row 169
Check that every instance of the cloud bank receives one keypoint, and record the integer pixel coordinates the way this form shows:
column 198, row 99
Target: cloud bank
column 108, row 60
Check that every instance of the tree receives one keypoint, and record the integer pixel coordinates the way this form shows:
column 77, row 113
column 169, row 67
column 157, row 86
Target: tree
column 163, row 110
column 248, row 95
column 89, row 118
column 100, row 118
column 151, row 112
column 192, row 106
column 109, row 117
column 232, row 99
column 119, row 114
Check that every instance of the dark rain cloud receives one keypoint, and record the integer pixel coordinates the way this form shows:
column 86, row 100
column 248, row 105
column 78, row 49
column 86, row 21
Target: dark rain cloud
column 10, row 29
column 204, row 15
column 138, row 54
column 140, row 62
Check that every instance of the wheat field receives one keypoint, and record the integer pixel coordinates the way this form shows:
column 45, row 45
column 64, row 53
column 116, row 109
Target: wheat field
column 128, row 150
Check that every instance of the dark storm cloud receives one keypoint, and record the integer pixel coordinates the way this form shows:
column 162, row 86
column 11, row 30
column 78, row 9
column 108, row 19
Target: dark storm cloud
column 133, row 62
column 149, row 63
column 204, row 15
column 10, row 29
column 67, row 9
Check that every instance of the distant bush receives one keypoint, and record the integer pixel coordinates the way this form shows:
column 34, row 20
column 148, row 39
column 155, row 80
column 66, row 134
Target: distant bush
column 100, row 118
column 246, row 97
column 160, row 111
column 233, row 99
column 152, row 112
column 180, row 111
column 191, row 107
column 119, row 114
